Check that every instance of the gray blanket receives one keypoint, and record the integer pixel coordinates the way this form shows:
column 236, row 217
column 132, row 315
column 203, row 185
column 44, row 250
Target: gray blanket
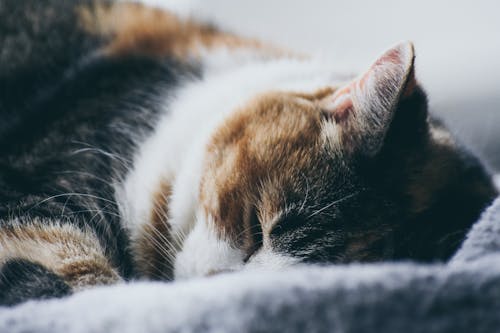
column 461, row 296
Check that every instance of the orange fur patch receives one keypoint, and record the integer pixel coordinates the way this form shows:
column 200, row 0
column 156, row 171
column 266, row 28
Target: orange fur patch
column 261, row 153
column 137, row 29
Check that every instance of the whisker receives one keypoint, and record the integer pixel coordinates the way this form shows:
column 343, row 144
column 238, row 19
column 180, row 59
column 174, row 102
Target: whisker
column 88, row 174
column 171, row 247
column 333, row 203
column 163, row 247
column 301, row 209
column 91, row 148
column 74, row 194
column 94, row 210
column 165, row 255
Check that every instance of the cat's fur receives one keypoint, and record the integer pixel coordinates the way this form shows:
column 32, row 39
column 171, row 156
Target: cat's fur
column 137, row 144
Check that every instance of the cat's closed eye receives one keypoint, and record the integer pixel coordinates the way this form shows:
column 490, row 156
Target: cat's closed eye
column 286, row 223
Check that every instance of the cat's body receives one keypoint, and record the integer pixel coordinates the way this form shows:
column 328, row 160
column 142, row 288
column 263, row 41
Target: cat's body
column 136, row 144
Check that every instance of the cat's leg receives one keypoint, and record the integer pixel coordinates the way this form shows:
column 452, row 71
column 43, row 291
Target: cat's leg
column 43, row 258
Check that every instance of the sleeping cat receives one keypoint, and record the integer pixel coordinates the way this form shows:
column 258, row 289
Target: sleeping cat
column 136, row 144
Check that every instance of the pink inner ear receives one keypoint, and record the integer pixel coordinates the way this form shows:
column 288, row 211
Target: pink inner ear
column 399, row 56
column 397, row 61
column 393, row 56
column 341, row 104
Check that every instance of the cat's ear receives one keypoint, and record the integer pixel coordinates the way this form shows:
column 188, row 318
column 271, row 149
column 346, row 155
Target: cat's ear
column 364, row 109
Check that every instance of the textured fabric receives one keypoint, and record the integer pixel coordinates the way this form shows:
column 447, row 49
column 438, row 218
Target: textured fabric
column 462, row 296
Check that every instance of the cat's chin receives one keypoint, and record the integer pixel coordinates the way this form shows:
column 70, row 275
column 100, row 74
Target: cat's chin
column 205, row 254
column 269, row 260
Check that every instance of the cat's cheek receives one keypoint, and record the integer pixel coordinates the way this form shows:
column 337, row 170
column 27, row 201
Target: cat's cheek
column 205, row 254
column 267, row 259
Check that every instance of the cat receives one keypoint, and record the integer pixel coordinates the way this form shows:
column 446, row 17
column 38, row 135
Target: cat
column 137, row 144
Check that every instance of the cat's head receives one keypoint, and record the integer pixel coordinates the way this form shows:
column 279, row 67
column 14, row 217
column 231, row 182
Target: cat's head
column 351, row 173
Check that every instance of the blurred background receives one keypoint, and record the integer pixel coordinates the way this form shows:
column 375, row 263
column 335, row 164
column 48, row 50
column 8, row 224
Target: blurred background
column 457, row 44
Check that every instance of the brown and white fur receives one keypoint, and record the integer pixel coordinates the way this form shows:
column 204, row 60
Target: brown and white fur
column 266, row 159
column 260, row 127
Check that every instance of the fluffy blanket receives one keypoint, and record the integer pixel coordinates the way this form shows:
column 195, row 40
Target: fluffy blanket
column 460, row 296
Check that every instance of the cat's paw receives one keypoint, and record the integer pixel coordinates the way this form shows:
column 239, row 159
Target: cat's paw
column 54, row 251
column 22, row 280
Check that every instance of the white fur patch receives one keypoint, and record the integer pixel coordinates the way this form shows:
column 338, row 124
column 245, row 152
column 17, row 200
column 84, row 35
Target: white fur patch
column 175, row 151
column 205, row 254
column 268, row 260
